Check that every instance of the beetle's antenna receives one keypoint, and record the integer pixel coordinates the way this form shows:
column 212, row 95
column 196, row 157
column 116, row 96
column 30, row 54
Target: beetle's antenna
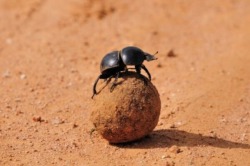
column 150, row 57
column 156, row 53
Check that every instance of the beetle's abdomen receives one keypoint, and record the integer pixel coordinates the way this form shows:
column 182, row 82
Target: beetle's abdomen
column 132, row 56
column 109, row 61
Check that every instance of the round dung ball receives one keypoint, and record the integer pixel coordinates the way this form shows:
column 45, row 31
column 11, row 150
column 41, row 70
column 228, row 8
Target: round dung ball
column 127, row 113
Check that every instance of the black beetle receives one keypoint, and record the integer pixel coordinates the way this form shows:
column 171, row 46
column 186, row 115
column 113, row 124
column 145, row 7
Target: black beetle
column 117, row 61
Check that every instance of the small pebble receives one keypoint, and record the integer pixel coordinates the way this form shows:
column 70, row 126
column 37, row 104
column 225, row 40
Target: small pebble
column 175, row 149
column 171, row 54
column 176, row 124
column 22, row 76
column 38, row 119
column 75, row 125
column 163, row 157
column 57, row 121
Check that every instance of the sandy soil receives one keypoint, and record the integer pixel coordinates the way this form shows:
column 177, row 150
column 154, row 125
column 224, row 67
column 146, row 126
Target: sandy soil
column 50, row 52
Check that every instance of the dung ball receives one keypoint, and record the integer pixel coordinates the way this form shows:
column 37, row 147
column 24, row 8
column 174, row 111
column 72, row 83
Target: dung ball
column 127, row 113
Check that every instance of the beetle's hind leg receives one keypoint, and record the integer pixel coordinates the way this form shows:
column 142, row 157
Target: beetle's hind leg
column 115, row 81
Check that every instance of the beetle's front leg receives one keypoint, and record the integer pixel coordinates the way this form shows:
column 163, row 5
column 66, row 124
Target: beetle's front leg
column 146, row 70
column 94, row 86
column 138, row 70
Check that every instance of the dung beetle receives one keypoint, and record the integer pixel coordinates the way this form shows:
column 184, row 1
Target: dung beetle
column 116, row 62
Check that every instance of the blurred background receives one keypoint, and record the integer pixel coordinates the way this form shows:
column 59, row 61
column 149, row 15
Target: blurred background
column 50, row 53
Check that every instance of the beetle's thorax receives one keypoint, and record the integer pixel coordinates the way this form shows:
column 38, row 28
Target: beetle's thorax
column 132, row 56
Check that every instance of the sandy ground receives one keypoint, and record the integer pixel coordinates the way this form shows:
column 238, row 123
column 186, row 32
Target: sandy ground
column 50, row 51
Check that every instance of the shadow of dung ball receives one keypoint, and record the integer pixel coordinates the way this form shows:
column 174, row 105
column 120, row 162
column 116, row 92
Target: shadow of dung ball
column 130, row 112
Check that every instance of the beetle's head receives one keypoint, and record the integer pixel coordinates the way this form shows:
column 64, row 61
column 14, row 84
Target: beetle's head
column 150, row 57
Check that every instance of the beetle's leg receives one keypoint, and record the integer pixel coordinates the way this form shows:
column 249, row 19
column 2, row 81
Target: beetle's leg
column 94, row 87
column 138, row 70
column 114, row 83
column 146, row 70
column 126, row 69
column 106, row 79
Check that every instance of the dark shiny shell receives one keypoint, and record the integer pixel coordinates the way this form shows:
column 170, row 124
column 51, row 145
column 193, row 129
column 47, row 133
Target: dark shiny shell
column 109, row 61
column 132, row 56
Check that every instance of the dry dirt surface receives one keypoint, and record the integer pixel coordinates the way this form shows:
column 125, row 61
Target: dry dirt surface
column 50, row 51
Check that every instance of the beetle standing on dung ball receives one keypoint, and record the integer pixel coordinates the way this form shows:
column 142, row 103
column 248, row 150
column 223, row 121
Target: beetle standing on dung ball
column 116, row 62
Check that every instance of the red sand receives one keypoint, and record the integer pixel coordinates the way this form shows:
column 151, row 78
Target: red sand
column 49, row 58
